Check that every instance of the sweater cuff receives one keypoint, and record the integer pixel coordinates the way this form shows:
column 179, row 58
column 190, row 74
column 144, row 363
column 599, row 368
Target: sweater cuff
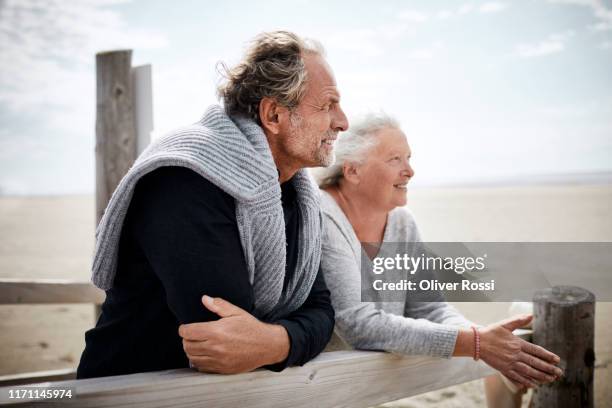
column 443, row 340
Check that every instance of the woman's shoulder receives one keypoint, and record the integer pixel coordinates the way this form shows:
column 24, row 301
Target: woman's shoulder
column 402, row 226
column 331, row 209
column 336, row 227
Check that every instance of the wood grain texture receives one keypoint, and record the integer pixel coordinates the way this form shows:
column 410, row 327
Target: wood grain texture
column 334, row 379
column 38, row 376
column 48, row 291
column 565, row 324
column 116, row 142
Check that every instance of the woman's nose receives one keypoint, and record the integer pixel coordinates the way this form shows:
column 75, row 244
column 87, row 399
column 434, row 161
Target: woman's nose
column 408, row 171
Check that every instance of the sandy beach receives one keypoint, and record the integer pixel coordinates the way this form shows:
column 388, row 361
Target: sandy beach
column 52, row 237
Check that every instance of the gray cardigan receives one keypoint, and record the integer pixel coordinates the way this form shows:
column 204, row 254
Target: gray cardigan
column 234, row 155
column 415, row 328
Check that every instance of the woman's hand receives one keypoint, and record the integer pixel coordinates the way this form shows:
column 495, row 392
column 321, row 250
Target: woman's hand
column 522, row 362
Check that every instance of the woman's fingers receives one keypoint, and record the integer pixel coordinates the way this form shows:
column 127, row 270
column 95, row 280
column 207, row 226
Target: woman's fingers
column 521, row 379
column 540, row 352
column 532, row 373
column 540, row 365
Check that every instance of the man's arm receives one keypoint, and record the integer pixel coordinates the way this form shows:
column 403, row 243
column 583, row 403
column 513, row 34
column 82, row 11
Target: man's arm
column 236, row 343
column 310, row 327
column 186, row 228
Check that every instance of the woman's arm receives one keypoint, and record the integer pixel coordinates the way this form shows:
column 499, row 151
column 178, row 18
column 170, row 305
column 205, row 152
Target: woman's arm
column 365, row 326
column 439, row 312
column 436, row 310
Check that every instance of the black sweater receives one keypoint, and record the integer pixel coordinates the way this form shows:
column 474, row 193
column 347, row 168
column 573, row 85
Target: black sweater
column 180, row 241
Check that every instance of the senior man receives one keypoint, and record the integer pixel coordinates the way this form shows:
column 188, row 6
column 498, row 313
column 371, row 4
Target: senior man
column 209, row 249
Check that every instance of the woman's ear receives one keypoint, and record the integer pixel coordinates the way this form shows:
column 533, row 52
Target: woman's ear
column 351, row 172
column 272, row 115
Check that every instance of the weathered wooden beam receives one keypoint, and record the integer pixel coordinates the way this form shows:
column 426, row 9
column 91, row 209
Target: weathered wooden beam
column 565, row 324
column 335, row 379
column 116, row 142
column 32, row 291
column 38, row 377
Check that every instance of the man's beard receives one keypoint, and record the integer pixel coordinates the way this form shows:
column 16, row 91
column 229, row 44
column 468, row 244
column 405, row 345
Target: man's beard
column 301, row 131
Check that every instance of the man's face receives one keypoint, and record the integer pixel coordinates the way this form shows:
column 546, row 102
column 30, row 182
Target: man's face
column 316, row 121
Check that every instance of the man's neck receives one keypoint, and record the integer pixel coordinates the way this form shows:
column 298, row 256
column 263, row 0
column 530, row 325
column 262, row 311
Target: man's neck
column 285, row 166
column 285, row 174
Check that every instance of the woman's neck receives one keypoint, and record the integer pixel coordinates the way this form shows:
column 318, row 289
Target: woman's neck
column 368, row 222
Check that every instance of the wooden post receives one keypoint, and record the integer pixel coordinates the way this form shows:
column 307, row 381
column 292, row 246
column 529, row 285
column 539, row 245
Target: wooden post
column 116, row 139
column 124, row 121
column 115, row 124
column 565, row 324
column 143, row 105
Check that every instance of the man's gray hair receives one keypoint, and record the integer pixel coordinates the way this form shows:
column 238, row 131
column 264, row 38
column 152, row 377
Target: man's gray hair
column 354, row 145
column 273, row 67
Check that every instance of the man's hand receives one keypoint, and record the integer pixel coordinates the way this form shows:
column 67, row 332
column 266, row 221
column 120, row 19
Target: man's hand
column 236, row 343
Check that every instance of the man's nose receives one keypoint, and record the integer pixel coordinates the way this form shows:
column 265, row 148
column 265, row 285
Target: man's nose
column 340, row 122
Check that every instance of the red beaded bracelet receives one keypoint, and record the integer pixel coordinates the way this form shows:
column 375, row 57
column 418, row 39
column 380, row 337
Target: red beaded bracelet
column 476, row 343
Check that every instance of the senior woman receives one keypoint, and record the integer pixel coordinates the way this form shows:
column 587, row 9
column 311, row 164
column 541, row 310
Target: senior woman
column 363, row 199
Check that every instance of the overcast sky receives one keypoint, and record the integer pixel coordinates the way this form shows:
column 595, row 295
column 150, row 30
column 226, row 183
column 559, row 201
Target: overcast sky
column 484, row 90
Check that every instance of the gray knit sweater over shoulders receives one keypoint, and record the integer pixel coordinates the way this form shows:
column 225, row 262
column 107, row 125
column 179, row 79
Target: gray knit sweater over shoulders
column 233, row 154
column 408, row 327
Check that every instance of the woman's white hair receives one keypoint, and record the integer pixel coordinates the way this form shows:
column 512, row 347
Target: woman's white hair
column 354, row 145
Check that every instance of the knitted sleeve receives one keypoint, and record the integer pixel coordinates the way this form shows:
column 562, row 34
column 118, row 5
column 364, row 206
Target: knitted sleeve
column 362, row 324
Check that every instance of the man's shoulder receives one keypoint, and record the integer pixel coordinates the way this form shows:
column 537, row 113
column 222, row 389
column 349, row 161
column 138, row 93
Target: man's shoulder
column 177, row 177
column 180, row 186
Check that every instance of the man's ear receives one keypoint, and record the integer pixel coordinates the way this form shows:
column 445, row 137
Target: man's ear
column 351, row 172
column 271, row 115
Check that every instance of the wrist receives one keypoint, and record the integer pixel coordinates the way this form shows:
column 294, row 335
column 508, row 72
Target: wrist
column 464, row 346
column 278, row 344
column 476, row 343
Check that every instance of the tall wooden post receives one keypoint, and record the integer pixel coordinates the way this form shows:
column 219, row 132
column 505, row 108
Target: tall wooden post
column 115, row 123
column 564, row 323
column 115, row 126
column 124, row 121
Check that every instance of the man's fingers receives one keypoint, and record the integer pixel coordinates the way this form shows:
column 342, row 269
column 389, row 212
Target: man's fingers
column 196, row 348
column 540, row 352
column 197, row 331
column 221, row 306
column 541, row 365
column 205, row 364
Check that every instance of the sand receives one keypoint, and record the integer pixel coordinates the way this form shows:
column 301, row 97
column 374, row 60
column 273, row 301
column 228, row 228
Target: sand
column 52, row 237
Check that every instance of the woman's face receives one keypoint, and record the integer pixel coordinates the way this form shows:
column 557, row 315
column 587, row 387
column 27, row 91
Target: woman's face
column 384, row 176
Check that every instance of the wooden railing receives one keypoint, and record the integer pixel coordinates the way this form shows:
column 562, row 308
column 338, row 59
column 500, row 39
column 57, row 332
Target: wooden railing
column 46, row 291
column 339, row 378
column 49, row 291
